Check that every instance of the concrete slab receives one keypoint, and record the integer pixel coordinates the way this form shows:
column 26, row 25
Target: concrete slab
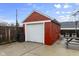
column 56, row 50
column 36, row 49
column 30, row 54
column 16, row 48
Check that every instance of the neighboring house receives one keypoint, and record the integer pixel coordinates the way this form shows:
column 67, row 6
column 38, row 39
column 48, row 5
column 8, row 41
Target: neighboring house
column 69, row 28
column 40, row 28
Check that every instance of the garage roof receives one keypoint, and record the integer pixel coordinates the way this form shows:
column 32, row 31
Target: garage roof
column 37, row 16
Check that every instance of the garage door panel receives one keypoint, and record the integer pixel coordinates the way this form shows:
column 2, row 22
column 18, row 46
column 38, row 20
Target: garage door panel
column 35, row 32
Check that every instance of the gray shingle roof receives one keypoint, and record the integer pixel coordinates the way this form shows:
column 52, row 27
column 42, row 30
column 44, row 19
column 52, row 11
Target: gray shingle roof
column 69, row 25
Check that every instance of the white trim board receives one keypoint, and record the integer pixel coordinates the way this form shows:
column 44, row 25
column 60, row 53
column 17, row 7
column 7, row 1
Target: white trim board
column 69, row 28
column 37, row 22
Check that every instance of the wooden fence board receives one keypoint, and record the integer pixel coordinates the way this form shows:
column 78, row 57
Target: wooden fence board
column 8, row 34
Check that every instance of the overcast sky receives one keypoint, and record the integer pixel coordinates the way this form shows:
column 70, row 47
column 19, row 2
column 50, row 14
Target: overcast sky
column 59, row 11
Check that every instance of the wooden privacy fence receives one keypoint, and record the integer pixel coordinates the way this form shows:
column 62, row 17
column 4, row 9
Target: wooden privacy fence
column 9, row 34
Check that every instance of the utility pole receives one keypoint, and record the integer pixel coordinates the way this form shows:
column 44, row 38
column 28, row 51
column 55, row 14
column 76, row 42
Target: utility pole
column 16, row 14
column 17, row 26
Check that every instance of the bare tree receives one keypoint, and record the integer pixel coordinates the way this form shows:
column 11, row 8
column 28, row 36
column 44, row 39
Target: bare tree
column 75, row 13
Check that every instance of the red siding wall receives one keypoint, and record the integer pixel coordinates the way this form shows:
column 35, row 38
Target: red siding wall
column 55, row 32
column 36, row 17
column 48, row 40
column 52, row 32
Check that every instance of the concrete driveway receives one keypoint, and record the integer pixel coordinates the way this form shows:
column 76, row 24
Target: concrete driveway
column 36, row 49
column 18, row 48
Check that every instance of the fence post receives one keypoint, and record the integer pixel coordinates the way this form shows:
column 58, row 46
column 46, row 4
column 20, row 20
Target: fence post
column 9, row 34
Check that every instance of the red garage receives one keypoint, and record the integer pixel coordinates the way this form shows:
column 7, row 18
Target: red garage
column 42, row 29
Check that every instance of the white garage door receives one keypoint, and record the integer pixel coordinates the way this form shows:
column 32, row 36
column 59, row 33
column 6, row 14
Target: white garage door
column 35, row 33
